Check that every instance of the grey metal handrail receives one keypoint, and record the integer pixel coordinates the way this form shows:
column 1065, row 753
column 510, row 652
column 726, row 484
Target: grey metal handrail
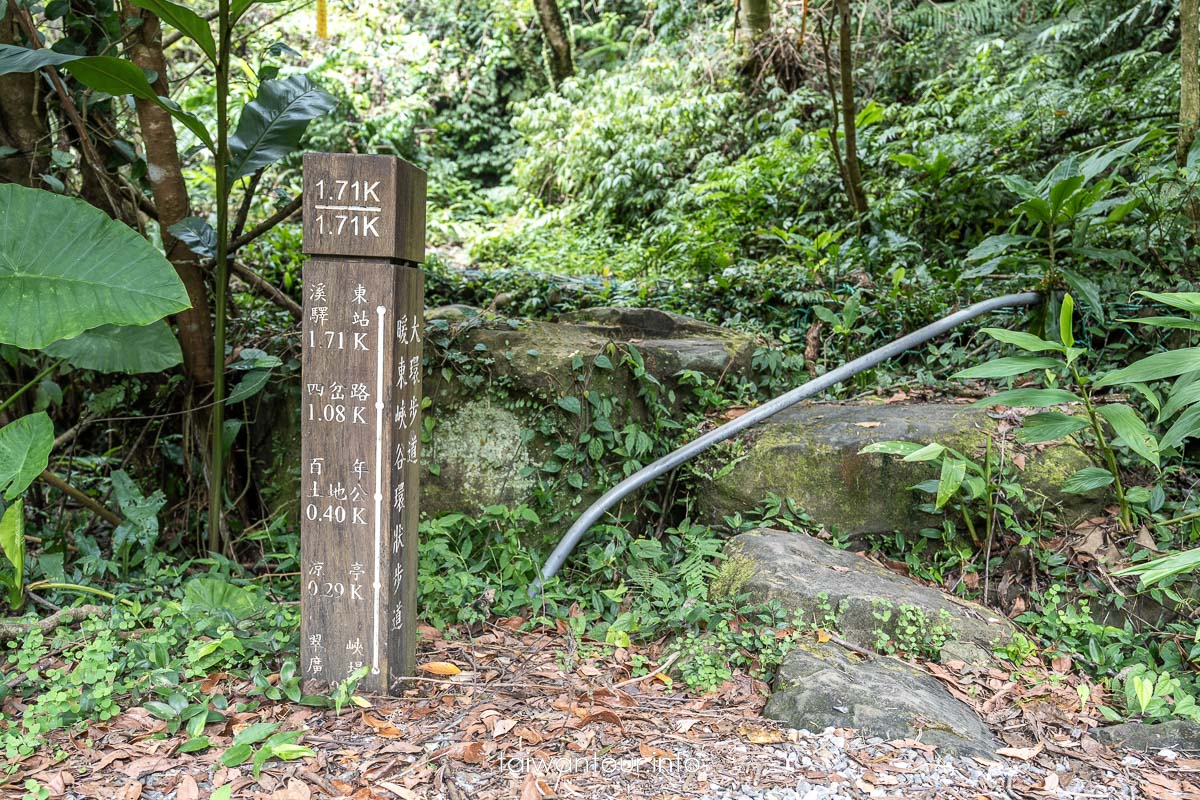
column 669, row 462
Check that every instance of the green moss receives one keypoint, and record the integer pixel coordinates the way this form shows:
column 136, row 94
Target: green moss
column 733, row 575
column 483, row 456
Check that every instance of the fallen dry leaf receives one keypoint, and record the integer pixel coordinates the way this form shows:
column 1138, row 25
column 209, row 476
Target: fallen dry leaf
column 760, row 735
column 467, row 752
column 868, row 424
column 382, row 727
column 603, row 715
column 1020, row 753
column 1061, row 664
column 534, row 788
column 1050, row 783
column 403, row 792
column 148, row 766
column 187, row 789
column 439, row 668
column 527, row 734
column 651, row 752
column 295, row 790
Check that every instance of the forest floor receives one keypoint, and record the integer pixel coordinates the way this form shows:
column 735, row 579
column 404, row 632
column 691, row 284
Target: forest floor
column 510, row 714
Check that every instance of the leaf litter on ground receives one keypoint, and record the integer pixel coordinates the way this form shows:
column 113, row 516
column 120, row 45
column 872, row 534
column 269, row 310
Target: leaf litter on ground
column 507, row 713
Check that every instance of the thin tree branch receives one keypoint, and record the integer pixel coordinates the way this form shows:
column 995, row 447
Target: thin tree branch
column 266, row 225
column 14, row 629
column 271, row 290
column 81, row 498
column 239, row 223
column 25, row 19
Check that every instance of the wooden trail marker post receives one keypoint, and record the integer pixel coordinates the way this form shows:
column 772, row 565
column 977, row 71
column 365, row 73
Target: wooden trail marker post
column 364, row 301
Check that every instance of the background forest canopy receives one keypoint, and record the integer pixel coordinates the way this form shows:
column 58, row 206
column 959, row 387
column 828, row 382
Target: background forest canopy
column 823, row 175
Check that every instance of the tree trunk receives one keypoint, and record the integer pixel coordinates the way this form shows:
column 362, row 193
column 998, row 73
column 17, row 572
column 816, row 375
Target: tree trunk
column 171, row 199
column 756, row 18
column 22, row 118
column 849, row 130
column 1189, row 89
column 558, row 40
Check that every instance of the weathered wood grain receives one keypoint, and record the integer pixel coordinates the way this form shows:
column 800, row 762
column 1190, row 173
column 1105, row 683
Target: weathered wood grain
column 364, row 206
column 361, row 395
column 364, row 298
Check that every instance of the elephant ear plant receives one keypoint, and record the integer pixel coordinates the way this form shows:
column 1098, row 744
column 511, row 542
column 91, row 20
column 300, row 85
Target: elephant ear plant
column 269, row 128
column 84, row 290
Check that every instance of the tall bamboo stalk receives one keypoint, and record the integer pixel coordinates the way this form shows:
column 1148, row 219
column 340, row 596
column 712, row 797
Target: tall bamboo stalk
column 216, row 492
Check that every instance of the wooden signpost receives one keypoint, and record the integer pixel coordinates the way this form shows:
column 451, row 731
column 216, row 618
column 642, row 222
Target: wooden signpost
column 364, row 299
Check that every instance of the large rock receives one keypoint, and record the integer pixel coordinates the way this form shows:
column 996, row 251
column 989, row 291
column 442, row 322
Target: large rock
column 1180, row 735
column 495, row 417
column 489, row 438
column 810, row 453
column 867, row 604
column 819, row 686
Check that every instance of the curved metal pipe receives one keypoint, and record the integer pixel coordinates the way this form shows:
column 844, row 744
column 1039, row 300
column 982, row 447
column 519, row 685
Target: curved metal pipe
column 691, row 449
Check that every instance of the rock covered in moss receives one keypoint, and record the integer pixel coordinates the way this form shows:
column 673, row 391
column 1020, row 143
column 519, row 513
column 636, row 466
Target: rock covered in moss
column 811, row 453
column 490, row 436
column 495, row 387
column 868, row 605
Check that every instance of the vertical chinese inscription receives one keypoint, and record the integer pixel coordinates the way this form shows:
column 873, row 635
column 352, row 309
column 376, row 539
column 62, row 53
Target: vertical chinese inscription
column 361, row 401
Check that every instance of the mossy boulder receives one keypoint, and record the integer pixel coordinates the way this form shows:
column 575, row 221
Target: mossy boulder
column 494, row 384
column 483, row 459
column 811, row 454
column 493, row 430
column 867, row 604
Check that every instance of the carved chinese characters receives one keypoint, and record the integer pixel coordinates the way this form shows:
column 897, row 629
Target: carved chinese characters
column 360, row 410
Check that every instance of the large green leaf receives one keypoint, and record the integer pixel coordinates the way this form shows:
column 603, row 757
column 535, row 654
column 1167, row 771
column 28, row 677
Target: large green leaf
column 1181, row 323
column 271, row 125
column 23, row 59
column 214, row 597
column 1048, row 426
column 1163, row 567
column 1066, row 321
column 1132, row 430
column 121, row 348
column 892, row 448
column 185, row 21
column 1186, row 427
column 1155, row 367
column 953, row 472
column 25, row 446
column 67, row 267
column 1185, row 301
column 927, row 453
column 1086, row 480
column 105, row 73
column 1025, row 341
column 995, row 245
column 1008, row 367
column 1029, row 398
column 1184, row 393
column 12, row 542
